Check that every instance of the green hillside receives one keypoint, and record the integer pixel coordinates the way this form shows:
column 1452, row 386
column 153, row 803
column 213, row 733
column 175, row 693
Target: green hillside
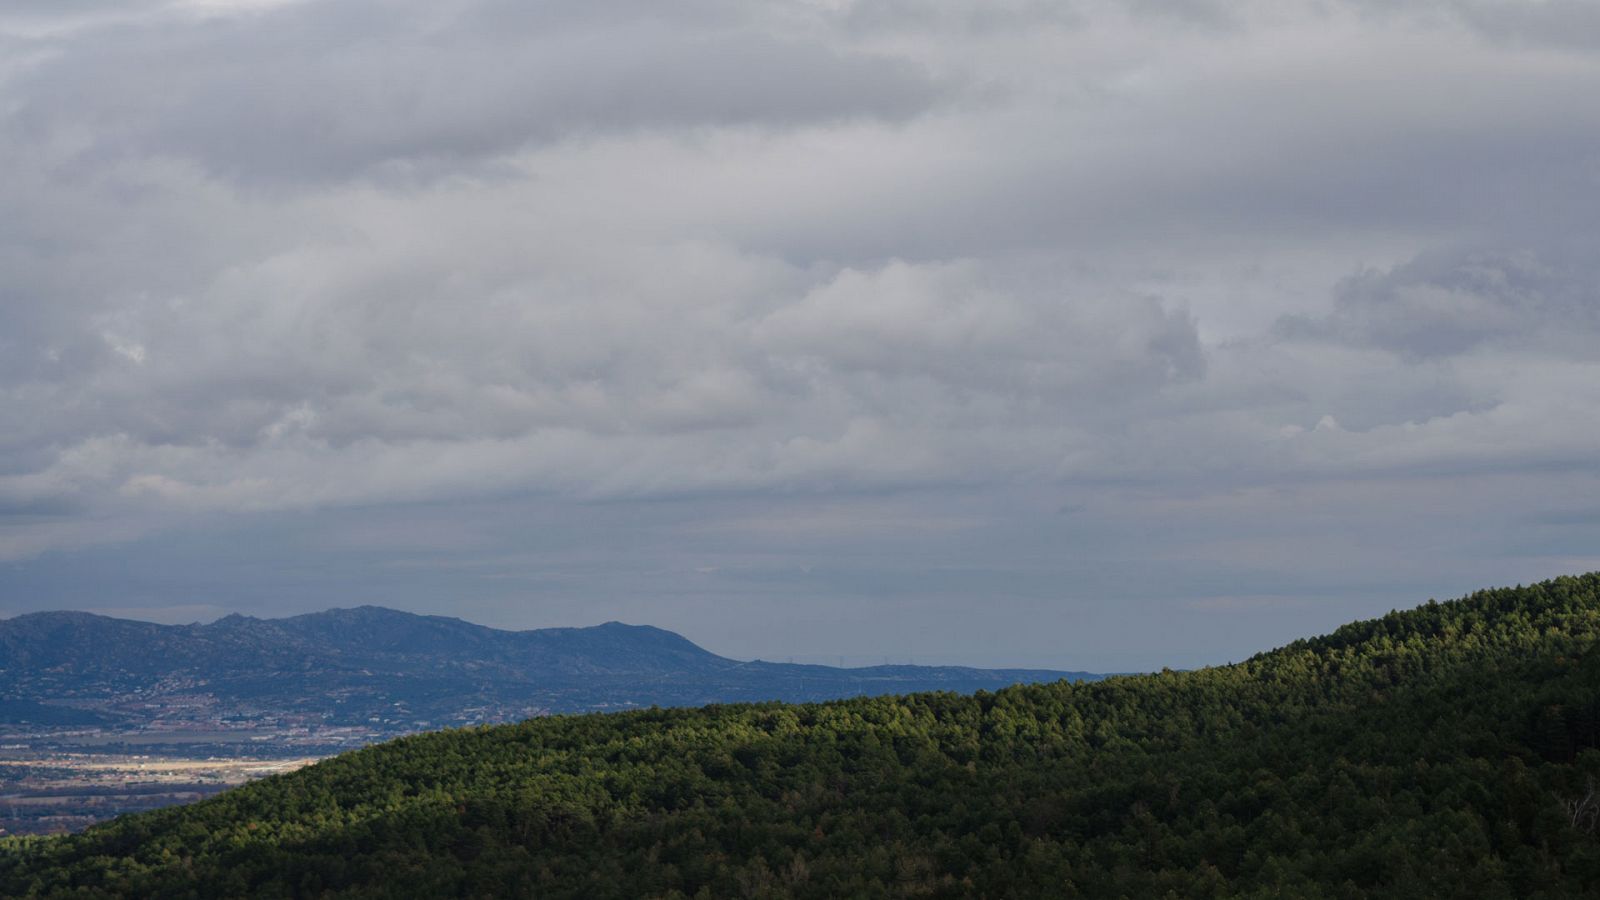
column 1431, row 753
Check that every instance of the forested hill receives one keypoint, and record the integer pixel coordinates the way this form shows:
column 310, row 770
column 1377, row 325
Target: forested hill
column 1446, row 751
column 352, row 666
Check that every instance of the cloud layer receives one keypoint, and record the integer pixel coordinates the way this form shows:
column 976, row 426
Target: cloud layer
column 306, row 258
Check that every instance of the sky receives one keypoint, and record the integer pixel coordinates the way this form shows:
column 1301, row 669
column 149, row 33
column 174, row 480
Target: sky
column 1088, row 335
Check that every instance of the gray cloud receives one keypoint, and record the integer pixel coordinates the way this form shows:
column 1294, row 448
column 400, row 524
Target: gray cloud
column 1449, row 303
column 819, row 307
column 319, row 90
column 1569, row 24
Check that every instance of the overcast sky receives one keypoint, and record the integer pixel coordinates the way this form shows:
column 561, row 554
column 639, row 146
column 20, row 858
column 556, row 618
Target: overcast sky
column 1076, row 334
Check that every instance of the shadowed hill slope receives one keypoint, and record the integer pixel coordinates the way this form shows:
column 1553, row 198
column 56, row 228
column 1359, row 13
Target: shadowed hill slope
column 1446, row 751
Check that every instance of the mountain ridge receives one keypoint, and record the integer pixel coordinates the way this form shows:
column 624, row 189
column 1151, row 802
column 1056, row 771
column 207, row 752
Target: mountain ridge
column 371, row 663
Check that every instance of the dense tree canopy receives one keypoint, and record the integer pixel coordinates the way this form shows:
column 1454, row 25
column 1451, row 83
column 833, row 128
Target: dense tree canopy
column 1446, row 751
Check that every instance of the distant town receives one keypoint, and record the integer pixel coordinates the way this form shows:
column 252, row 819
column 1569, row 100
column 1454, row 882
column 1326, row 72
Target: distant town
column 57, row 779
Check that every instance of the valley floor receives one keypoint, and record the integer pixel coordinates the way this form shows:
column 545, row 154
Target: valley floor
column 53, row 792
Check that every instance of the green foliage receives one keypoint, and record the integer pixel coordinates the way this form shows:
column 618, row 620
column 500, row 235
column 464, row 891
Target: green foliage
column 1429, row 753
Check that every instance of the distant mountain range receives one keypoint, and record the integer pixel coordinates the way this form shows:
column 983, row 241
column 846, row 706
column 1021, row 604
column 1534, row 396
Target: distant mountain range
column 381, row 667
